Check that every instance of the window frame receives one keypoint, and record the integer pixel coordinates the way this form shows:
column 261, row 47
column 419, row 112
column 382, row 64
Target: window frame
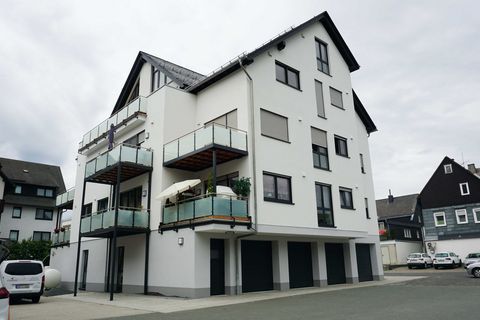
column 362, row 163
column 339, row 138
column 42, row 192
column 13, row 211
column 287, row 68
column 407, row 233
column 317, row 150
column 10, row 235
column 316, row 98
column 367, row 211
column 17, row 189
column 42, row 233
column 445, row 166
column 43, row 214
column 269, row 136
column 275, row 177
column 459, row 212
column 348, row 190
column 321, row 59
column 323, row 209
column 467, row 192
column 476, row 218
column 341, row 98
column 102, row 201
column 438, row 214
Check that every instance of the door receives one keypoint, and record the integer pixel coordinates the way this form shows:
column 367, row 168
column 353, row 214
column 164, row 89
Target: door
column 300, row 264
column 217, row 266
column 385, row 255
column 257, row 274
column 83, row 277
column 131, row 198
column 335, row 263
column 364, row 262
column 119, row 269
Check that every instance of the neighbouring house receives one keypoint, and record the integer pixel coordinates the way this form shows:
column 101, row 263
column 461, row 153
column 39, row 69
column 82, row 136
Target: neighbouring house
column 28, row 192
column 400, row 228
column 451, row 209
column 284, row 115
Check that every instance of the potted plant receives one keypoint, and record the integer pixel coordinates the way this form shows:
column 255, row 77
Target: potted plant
column 56, row 230
column 242, row 186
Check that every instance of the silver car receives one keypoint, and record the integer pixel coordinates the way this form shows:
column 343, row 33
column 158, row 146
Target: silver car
column 474, row 269
column 471, row 258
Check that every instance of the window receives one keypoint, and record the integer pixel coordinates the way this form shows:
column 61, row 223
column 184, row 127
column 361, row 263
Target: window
column 17, row 212
column 362, row 164
column 439, row 218
column 18, row 189
column 366, row 208
column 41, row 236
column 322, row 56
column 323, row 194
column 346, row 200
column 13, row 235
column 287, row 75
column 102, row 205
column 476, row 215
column 319, row 149
column 136, row 140
column 464, row 189
column 87, row 209
column 227, row 180
column 461, row 215
column 336, row 98
column 44, row 192
column 44, row 214
column 273, row 125
column 319, row 97
column 277, row 188
column 134, row 93
column 418, row 234
column 131, row 198
column 227, row 120
column 407, row 233
column 159, row 79
column 341, row 148
column 447, row 168
column 381, row 225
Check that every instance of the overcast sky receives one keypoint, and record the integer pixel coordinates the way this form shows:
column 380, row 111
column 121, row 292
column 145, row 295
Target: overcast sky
column 63, row 64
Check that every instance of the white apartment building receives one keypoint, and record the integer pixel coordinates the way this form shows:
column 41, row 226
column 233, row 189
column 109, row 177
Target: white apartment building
column 284, row 115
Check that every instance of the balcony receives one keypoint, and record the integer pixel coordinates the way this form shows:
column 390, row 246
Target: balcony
column 133, row 160
column 65, row 200
column 194, row 151
column 101, row 224
column 205, row 209
column 134, row 112
column 61, row 239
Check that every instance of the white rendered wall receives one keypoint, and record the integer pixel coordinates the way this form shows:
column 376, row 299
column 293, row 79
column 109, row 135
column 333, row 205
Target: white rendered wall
column 462, row 247
column 402, row 250
column 26, row 224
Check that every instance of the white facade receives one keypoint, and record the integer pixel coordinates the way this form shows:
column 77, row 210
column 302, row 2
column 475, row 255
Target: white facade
column 184, row 269
column 395, row 252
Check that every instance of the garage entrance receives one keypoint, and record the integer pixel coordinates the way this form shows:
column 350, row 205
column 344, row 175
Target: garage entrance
column 300, row 264
column 364, row 262
column 257, row 274
column 217, row 266
column 335, row 263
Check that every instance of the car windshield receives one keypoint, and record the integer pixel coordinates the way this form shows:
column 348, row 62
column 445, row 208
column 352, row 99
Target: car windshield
column 441, row 255
column 23, row 268
column 414, row 255
column 473, row 255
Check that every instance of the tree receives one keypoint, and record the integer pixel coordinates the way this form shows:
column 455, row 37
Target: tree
column 29, row 250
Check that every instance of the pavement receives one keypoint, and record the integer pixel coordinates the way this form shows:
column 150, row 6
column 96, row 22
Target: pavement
column 405, row 294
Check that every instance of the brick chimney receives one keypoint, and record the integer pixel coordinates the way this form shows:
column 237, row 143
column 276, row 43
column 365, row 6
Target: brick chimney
column 390, row 196
column 472, row 169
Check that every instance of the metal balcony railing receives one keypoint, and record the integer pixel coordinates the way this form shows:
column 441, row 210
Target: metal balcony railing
column 121, row 153
column 65, row 197
column 63, row 237
column 101, row 130
column 127, row 218
column 206, row 205
column 211, row 134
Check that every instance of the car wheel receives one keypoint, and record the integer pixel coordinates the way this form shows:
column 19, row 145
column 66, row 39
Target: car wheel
column 36, row 299
column 436, row 267
column 409, row 267
column 476, row 272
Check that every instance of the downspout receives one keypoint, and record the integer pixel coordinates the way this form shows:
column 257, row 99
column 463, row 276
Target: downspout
column 254, row 184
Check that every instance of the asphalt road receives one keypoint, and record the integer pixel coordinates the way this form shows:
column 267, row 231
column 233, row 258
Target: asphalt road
column 444, row 294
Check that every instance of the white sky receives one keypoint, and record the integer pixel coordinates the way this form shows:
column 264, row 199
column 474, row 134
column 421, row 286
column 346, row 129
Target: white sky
column 63, row 63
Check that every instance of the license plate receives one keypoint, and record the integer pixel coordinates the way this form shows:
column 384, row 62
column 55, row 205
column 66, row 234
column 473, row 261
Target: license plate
column 22, row 286
column 440, row 260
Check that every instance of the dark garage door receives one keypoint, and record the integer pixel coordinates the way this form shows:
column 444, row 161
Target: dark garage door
column 257, row 266
column 364, row 263
column 335, row 263
column 300, row 264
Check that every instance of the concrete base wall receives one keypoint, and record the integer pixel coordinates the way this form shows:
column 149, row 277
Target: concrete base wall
column 462, row 247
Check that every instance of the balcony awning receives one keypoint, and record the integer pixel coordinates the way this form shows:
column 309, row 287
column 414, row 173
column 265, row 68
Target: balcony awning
column 177, row 188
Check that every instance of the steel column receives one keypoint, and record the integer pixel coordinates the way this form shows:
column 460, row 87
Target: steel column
column 114, row 239
column 75, row 287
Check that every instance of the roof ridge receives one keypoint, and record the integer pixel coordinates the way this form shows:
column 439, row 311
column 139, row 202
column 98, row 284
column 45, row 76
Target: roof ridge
column 172, row 63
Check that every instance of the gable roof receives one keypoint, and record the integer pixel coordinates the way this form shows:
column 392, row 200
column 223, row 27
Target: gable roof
column 363, row 114
column 39, row 174
column 401, row 206
column 443, row 190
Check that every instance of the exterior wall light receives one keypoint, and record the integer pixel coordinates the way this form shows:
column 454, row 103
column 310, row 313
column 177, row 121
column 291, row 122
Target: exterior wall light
column 180, row 241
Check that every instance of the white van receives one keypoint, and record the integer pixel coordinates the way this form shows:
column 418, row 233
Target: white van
column 23, row 278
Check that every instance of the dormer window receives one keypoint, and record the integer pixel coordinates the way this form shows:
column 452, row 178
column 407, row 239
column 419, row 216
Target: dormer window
column 448, row 168
column 464, row 189
column 18, row 189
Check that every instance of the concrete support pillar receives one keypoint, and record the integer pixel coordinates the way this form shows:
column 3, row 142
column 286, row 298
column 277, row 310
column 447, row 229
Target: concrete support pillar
column 230, row 267
column 377, row 263
column 319, row 264
column 238, row 262
column 280, row 265
column 350, row 254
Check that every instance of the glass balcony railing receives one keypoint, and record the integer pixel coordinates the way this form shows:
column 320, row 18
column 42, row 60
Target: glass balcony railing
column 137, row 105
column 62, row 237
column 65, row 197
column 127, row 217
column 121, row 153
column 203, row 137
column 206, row 205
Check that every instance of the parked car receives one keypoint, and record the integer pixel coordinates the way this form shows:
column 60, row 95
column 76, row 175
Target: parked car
column 446, row 259
column 419, row 260
column 4, row 302
column 23, row 279
column 471, row 258
column 473, row 269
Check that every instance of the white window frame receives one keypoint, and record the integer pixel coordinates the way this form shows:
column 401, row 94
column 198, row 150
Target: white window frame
column 461, row 189
column 459, row 212
column 475, row 211
column 437, row 214
column 407, row 233
column 448, row 169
